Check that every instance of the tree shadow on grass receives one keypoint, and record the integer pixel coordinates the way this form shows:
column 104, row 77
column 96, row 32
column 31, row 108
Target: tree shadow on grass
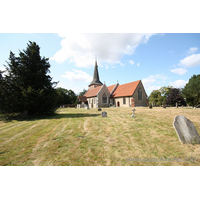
column 54, row 116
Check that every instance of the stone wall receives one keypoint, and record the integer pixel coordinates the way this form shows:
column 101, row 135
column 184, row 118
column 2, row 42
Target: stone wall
column 119, row 101
column 92, row 102
column 144, row 96
column 103, row 90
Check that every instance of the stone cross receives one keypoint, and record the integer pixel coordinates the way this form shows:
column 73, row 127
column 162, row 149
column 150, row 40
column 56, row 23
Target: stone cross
column 186, row 130
column 133, row 112
column 104, row 114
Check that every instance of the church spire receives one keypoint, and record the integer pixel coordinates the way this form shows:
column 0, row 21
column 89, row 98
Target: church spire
column 96, row 80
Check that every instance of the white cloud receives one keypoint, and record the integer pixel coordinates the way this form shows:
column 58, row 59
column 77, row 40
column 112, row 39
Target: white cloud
column 4, row 71
column 77, row 75
column 178, row 83
column 131, row 62
column 122, row 64
column 60, row 85
column 150, row 82
column 179, row 71
column 138, row 64
column 192, row 50
column 109, row 47
column 190, row 61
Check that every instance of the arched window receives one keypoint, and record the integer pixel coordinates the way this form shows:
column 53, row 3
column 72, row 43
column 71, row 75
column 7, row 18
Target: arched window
column 139, row 94
column 104, row 98
column 124, row 100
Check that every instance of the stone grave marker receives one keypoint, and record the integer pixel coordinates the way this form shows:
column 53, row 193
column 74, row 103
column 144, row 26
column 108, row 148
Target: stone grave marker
column 99, row 109
column 86, row 107
column 133, row 115
column 186, row 130
column 104, row 114
column 150, row 106
column 176, row 105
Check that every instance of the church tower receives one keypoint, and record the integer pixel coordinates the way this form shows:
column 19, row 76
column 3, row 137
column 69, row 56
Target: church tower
column 95, row 82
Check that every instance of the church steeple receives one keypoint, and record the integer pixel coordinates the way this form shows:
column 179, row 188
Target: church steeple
column 96, row 80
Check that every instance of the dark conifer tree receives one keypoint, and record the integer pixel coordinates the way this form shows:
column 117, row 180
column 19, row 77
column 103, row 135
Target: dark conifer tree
column 28, row 86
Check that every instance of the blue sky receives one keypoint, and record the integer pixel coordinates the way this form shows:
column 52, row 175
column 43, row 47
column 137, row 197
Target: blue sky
column 156, row 59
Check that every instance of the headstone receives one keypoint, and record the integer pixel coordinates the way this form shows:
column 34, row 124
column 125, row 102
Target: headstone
column 182, row 106
column 104, row 114
column 150, row 106
column 99, row 109
column 133, row 115
column 185, row 130
column 176, row 105
column 164, row 106
column 86, row 107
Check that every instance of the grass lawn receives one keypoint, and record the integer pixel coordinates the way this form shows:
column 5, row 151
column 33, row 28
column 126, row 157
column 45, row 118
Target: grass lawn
column 82, row 137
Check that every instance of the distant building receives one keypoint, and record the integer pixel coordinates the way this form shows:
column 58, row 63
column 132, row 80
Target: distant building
column 127, row 95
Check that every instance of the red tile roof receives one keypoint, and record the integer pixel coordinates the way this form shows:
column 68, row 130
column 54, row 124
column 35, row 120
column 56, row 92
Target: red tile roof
column 110, row 88
column 82, row 98
column 126, row 89
column 92, row 92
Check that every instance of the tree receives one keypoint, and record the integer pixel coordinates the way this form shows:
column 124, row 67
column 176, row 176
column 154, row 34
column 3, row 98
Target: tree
column 191, row 91
column 159, row 96
column 83, row 92
column 174, row 97
column 65, row 96
column 155, row 97
column 27, row 87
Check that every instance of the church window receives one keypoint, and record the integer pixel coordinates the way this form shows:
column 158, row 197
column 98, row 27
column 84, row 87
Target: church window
column 124, row 100
column 104, row 98
column 139, row 94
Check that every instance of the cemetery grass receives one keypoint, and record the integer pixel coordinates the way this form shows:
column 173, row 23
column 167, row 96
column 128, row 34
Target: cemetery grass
column 80, row 137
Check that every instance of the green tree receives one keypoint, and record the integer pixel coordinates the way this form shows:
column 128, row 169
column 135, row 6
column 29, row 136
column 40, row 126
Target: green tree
column 155, row 97
column 191, row 91
column 27, row 87
column 159, row 97
column 65, row 96
column 83, row 92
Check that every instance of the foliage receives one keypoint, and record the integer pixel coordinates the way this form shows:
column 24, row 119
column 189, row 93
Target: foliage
column 26, row 86
column 175, row 96
column 65, row 96
column 83, row 92
column 158, row 97
column 192, row 90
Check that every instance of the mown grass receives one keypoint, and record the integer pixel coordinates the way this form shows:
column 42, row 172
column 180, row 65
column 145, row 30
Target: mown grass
column 82, row 137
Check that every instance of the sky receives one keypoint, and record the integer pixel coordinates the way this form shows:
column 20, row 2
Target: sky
column 163, row 59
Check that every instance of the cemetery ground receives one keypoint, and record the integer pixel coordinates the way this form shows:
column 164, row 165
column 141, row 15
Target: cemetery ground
column 80, row 137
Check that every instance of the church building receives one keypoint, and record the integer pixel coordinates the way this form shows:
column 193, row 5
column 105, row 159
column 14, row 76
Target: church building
column 127, row 95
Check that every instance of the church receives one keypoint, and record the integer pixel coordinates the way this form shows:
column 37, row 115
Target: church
column 126, row 95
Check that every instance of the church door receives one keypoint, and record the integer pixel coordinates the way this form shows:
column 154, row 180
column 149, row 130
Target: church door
column 118, row 104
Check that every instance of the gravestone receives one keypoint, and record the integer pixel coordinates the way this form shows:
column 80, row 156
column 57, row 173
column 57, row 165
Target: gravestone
column 133, row 115
column 86, row 107
column 164, row 106
column 176, row 105
column 186, row 130
column 99, row 109
column 104, row 114
column 150, row 106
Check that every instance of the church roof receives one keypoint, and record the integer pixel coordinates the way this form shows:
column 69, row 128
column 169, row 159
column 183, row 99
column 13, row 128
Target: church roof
column 96, row 76
column 82, row 98
column 110, row 88
column 92, row 92
column 126, row 89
